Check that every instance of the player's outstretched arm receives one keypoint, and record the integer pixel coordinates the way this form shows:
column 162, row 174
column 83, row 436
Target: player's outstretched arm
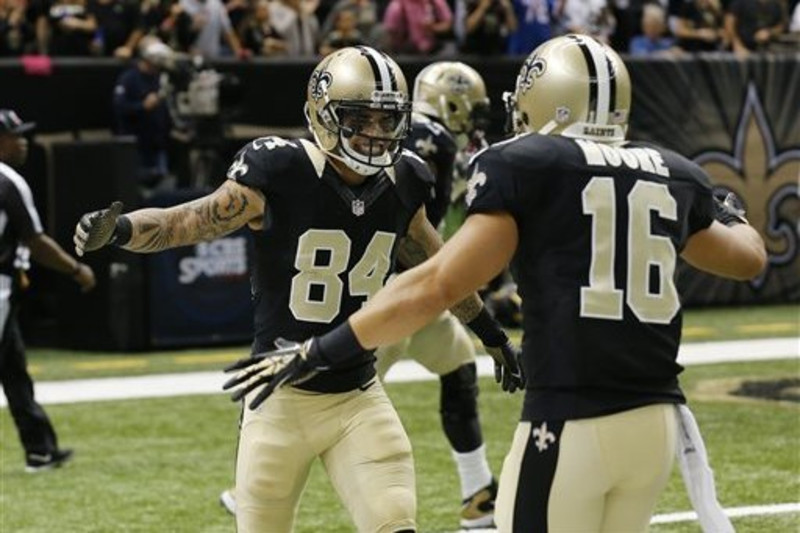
column 422, row 242
column 223, row 211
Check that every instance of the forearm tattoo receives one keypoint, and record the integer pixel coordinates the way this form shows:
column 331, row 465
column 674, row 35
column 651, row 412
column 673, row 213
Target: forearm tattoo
column 467, row 309
column 201, row 220
column 410, row 253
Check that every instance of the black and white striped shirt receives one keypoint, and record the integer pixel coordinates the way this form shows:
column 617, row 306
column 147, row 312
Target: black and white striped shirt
column 19, row 220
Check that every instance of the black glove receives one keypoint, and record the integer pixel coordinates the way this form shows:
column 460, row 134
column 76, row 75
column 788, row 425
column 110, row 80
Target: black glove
column 507, row 370
column 99, row 228
column 729, row 209
column 291, row 363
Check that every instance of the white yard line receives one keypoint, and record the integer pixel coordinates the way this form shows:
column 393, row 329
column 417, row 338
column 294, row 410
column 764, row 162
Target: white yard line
column 690, row 516
column 163, row 385
column 189, row 383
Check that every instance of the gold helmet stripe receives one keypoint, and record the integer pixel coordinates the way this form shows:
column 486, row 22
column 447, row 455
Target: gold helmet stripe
column 384, row 77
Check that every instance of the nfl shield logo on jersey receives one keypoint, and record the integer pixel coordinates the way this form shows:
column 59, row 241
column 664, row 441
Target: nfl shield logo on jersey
column 358, row 207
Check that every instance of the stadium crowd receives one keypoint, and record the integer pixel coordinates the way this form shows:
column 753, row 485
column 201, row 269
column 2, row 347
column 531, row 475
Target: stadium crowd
column 293, row 28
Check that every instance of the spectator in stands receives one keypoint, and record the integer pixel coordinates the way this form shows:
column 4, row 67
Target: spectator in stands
column 417, row 26
column 297, row 25
column 367, row 20
column 483, row 26
column 345, row 33
column 72, row 28
column 238, row 11
column 257, row 33
column 140, row 109
column 753, row 24
column 534, row 25
column 22, row 238
column 210, row 23
column 653, row 39
column 15, row 29
column 119, row 27
column 590, row 17
column 698, row 25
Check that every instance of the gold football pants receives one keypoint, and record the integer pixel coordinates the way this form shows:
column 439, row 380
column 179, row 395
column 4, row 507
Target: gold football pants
column 360, row 440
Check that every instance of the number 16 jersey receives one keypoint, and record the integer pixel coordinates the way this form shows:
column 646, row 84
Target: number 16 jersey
column 600, row 230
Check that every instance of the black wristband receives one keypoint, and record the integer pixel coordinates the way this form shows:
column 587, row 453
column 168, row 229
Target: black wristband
column 487, row 329
column 337, row 345
column 123, row 230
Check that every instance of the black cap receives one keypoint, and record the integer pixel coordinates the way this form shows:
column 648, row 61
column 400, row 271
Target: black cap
column 11, row 123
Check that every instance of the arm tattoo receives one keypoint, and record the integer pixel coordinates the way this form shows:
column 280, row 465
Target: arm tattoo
column 410, row 253
column 203, row 219
column 468, row 308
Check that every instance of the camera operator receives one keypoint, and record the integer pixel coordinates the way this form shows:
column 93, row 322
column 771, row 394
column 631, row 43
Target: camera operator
column 201, row 102
column 140, row 109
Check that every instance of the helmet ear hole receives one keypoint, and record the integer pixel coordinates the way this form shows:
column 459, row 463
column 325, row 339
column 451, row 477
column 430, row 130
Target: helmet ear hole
column 452, row 107
column 525, row 119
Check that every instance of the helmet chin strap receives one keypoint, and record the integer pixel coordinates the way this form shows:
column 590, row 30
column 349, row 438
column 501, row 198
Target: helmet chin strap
column 362, row 167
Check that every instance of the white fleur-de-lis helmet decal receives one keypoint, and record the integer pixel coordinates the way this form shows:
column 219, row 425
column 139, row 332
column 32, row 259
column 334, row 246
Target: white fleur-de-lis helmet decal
column 319, row 83
column 533, row 67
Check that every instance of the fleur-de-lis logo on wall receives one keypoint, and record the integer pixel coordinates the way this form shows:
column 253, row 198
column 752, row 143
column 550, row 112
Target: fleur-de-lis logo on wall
column 768, row 182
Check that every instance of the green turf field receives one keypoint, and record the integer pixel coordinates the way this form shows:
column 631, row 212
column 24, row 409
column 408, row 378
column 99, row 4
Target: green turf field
column 158, row 465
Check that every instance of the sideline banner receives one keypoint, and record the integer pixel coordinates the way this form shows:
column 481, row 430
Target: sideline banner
column 740, row 121
column 199, row 294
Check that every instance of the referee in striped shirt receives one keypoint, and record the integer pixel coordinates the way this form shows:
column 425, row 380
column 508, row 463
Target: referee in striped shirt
column 22, row 238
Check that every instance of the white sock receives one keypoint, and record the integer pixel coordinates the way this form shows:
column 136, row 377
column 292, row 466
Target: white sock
column 473, row 470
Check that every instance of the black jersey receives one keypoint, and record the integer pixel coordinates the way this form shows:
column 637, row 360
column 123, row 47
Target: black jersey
column 19, row 220
column 431, row 141
column 600, row 230
column 324, row 247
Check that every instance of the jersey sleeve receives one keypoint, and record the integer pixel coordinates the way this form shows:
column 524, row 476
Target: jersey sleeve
column 262, row 161
column 19, row 207
column 491, row 184
column 414, row 181
column 701, row 214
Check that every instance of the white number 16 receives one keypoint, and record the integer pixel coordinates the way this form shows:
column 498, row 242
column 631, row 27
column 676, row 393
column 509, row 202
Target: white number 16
column 601, row 299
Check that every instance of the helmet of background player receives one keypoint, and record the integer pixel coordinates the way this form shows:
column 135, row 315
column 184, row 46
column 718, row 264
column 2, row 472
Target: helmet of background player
column 574, row 86
column 358, row 109
column 455, row 94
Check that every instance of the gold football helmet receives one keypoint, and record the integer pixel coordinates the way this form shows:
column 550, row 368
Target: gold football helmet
column 454, row 93
column 357, row 108
column 574, row 86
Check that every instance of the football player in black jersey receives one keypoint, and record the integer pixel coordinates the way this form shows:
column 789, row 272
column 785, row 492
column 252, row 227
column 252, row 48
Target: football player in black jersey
column 593, row 226
column 329, row 218
column 450, row 106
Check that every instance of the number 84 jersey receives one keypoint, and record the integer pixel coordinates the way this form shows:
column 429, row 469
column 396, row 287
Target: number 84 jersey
column 324, row 247
column 600, row 231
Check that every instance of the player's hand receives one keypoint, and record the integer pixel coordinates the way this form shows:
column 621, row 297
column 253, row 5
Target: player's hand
column 507, row 369
column 96, row 229
column 729, row 209
column 291, row 363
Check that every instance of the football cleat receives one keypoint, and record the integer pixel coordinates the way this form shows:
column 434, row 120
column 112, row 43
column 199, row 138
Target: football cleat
column 477, row 511
column 39, row 462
